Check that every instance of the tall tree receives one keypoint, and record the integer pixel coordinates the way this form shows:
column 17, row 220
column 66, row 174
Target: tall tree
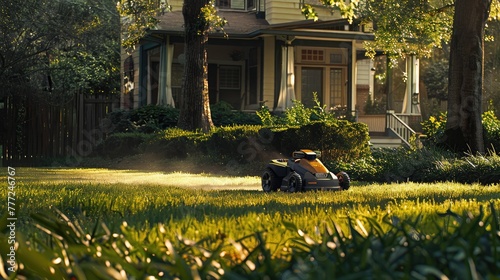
column 194, row 101
column 200, row 18
column 416, row 27
column 464, row 128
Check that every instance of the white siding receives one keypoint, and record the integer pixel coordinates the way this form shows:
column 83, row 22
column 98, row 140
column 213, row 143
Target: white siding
column 363, row 72
column 176, row 4
column 282, row 11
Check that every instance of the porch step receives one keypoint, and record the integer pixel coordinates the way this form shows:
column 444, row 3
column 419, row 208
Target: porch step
column 385, row 142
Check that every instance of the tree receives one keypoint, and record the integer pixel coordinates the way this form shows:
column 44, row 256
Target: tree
column 194, row 102
column 464, row 127
column 58, row 47
column 200, row 18
column 416, row 28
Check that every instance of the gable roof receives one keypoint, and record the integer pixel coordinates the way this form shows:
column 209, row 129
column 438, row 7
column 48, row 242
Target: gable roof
column 239, row 23
column 246, row 24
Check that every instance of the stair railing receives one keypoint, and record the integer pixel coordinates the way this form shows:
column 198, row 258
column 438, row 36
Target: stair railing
column 400, row 128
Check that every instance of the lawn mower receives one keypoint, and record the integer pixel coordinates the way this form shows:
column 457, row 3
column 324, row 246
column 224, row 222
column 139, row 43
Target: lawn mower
column 304, row 171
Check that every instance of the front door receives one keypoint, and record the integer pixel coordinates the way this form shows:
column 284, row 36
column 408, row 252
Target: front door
column 338, row 93
column 312, row 81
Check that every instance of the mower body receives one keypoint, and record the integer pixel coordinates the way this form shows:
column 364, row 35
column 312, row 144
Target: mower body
column 304, row 171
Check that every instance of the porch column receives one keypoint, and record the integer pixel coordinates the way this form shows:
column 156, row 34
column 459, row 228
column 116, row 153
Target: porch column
column 170, row 58
column 165, row 75
column 411, row 99
column 287, row 88
column 352, row 77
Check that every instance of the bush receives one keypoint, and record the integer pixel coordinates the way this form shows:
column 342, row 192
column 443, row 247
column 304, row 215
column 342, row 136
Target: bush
column 421, row 165
column 231, row 143
column 299, row 115
column 122, row 144
column 375, row 107
column 434, row 129
column 153, row 118
column 146, row 119
column 492, row 131
column 223, row 114
column 337, row 140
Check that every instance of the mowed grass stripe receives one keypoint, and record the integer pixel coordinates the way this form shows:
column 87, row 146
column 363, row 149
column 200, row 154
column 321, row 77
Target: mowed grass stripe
column 117, row 196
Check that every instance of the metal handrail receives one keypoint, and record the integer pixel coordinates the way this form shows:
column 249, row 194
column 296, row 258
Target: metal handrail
column 399, row 127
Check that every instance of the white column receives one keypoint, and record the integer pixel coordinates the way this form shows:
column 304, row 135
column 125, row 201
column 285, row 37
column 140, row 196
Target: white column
column 411, row 99
column 287, row 88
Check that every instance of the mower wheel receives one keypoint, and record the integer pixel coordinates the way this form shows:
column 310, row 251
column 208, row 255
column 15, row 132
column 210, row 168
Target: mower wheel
column 344, row 180
column 295, row 183
column 270, row 181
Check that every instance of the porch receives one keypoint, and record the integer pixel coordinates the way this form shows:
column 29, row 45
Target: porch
column 391, row 129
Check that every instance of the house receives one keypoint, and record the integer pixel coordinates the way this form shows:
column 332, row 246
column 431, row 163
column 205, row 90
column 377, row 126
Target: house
column 272, row 55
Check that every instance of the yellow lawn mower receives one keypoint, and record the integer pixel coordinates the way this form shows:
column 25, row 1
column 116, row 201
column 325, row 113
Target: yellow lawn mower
column 304, row 171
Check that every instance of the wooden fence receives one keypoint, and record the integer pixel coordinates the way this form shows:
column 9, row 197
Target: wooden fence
column 37, row 132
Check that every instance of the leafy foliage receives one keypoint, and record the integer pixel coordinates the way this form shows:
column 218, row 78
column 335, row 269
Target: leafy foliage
column 400, row 27
column 223, row 114
column 298, row 114
column 421, row 165
column 137, row 16
column 375, row 107
column 434, row 129
column 154, row 118
column 59, row 46
column 337, row 140
column 435, row 78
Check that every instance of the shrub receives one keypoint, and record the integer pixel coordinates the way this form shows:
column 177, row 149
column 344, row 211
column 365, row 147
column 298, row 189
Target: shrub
column 336, row 139
column 153, row 118
column 223, row 114
column 266, row 117
column 231, row 143
column 492, row 131
column 174, row 143
column 146, row 119
column 421, row 165
column 299, row 115
column 122, row 144
column 375, row 107
column 120, row 121
column 434, row 129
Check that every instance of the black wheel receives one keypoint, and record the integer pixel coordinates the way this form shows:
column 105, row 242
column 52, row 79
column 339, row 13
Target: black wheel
column 295, row 183
column 344, row 180
column 270, row 182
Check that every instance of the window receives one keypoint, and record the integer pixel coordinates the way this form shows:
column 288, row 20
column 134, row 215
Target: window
column 235, row 4
column 229, row 77
column 335, row 58
column 312, row 55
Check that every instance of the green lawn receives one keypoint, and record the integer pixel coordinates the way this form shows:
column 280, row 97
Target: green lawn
column 218, row 212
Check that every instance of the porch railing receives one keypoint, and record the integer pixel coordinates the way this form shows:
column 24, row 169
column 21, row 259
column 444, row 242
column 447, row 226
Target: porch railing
column 399, row 127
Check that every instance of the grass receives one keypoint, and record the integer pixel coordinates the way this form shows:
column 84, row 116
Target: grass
column 215, row 210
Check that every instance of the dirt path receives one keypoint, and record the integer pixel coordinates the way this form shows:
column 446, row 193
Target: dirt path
column 111, row 176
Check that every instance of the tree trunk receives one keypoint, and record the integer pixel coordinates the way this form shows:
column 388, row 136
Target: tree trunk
column 194, row 102
column 464, row 128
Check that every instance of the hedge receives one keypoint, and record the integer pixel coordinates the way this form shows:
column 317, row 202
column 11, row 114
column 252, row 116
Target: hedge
column 337, row 140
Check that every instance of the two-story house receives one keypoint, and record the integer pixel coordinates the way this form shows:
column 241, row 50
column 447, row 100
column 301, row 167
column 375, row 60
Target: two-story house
column 271, row 56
